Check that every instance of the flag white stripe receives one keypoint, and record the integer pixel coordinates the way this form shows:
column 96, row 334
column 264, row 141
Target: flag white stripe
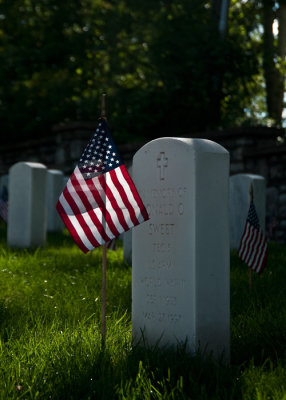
column 74, row 222
column 247, row 239
column 85, row 187
column 261, row 258
column 252, row 244
column 108, row 206
column 259, row 254
column 119, row 200
column 92, row 201
column 256, row 250
column 241, row 249
column 97, row 211
column 129, row 194
column 93, row 228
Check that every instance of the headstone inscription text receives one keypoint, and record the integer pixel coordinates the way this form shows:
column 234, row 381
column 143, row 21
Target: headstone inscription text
column 180, row 287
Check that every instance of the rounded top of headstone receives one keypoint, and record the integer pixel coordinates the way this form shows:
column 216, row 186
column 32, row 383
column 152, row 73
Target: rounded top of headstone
column 24, row 164
column 55, row 172
column 190, row 144
column 248, row 176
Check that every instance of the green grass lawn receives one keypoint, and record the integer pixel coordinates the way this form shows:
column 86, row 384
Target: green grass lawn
column 50, row 340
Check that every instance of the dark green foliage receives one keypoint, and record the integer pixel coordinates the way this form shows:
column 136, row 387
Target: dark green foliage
column 165, row 67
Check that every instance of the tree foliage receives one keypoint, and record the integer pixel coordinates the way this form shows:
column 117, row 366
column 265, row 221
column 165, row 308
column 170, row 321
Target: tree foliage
column 164, row 65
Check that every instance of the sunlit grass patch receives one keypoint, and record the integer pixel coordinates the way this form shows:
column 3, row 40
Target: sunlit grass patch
column 50, row 331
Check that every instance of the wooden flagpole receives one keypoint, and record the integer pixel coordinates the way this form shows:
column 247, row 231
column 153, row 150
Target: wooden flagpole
column 250, row 269
column 104, row 251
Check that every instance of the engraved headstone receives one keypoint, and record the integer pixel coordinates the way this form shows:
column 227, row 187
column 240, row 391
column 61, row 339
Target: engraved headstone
column 55, row 185
column 180, row 257
column 27, row 205
column 239, row 201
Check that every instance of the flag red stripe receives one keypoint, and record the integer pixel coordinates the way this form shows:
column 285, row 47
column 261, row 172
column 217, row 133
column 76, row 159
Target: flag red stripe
column 100, row 202
column 244, row 240
column 77, row 213
column 264, row 262
column 251, row 245
column 248, row 242
column 135, row 193
column 124, row 198
column 70, row 227
column 261, row 254
column 90, row 209
column 109, row 194
column 257, row 256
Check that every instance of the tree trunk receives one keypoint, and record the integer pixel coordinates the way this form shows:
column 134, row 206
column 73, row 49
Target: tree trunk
column 220, row 17
column 282, row 53
column 274, row 77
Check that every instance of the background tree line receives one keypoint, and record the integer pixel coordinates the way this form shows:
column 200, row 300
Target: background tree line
column 167, row 66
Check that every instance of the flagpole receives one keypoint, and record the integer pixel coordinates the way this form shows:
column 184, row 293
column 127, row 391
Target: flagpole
column 104, row 250
column 250, row 269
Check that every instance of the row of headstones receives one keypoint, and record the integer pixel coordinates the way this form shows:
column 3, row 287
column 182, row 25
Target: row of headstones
column 239, row 199
column 180, row 257
column 33, row 191
column 34, row 187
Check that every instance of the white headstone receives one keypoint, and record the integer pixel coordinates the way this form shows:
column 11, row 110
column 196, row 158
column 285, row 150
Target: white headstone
column 55, row 186
column 239, row 202
column 180, row 259
column 27, row 205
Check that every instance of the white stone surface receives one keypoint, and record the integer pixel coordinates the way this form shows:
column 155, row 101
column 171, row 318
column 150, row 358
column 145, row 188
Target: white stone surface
column 180, row 260
column 27, row 205
column 239, row 201
column 55, row 186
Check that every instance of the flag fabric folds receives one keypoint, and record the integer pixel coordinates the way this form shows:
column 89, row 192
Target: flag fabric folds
column 253, row 248
column 100, row 200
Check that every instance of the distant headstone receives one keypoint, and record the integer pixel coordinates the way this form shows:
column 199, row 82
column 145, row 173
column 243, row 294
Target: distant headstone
column 239, row 201
column 27, row 205
column 55, row 186
column 180, row 257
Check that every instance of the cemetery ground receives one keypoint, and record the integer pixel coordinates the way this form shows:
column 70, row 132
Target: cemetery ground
column 50, row 332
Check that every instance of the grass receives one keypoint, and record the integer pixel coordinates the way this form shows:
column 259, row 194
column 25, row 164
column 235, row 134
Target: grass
column 50, row 341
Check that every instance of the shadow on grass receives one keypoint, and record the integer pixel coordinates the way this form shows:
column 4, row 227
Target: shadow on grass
column 151, row 373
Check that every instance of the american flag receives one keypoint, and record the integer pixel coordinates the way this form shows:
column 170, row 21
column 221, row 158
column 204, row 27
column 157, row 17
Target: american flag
column 4, row 204
column 100, row 201
column 253, row 246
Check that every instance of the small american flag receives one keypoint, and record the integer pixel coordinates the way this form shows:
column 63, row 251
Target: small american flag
column 253, row 246
column 100, row 201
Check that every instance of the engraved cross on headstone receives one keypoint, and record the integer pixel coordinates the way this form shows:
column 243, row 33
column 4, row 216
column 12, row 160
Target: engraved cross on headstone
column 162, row 163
